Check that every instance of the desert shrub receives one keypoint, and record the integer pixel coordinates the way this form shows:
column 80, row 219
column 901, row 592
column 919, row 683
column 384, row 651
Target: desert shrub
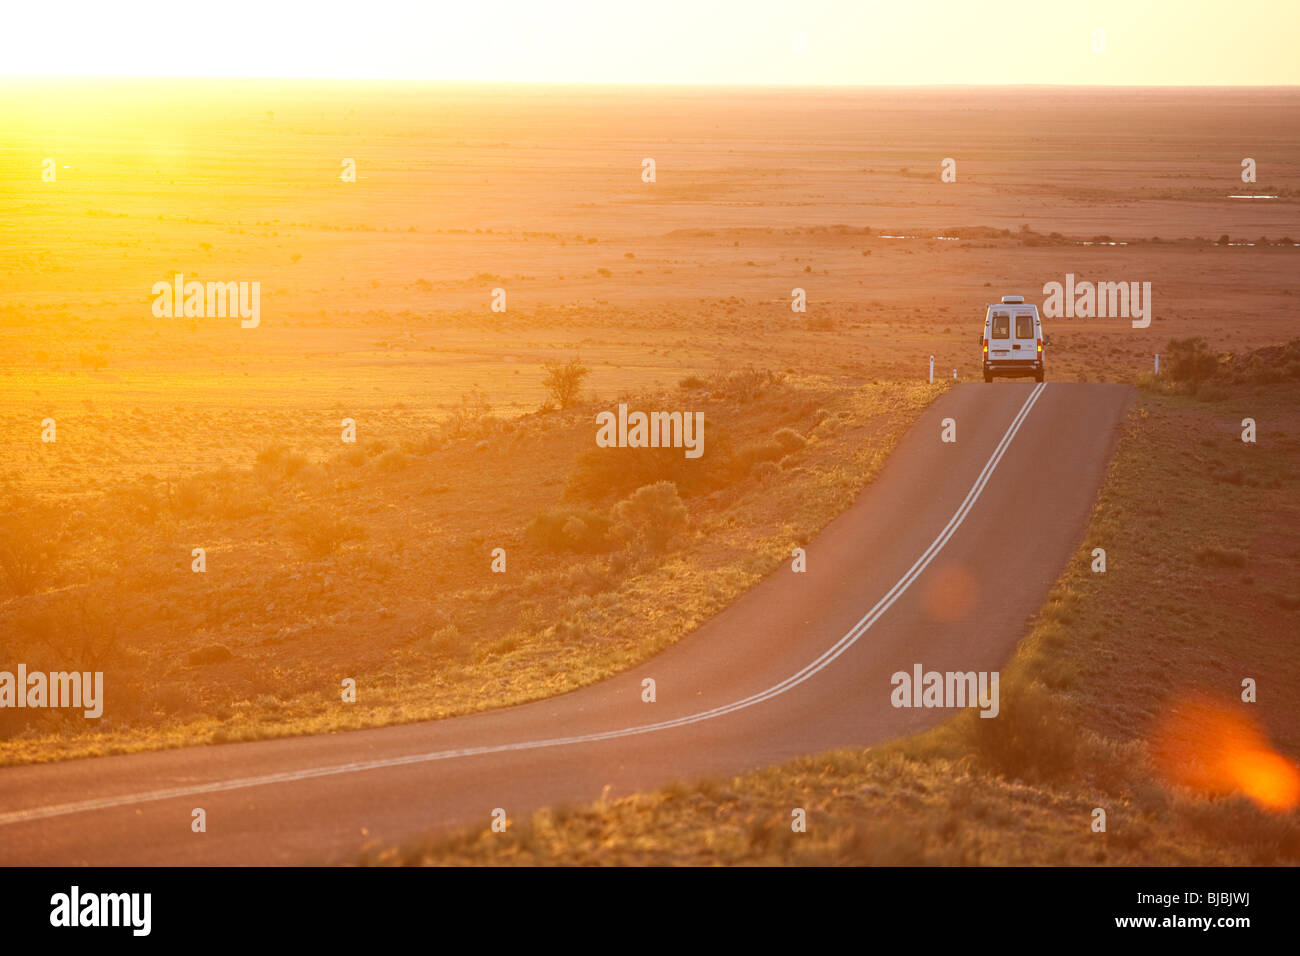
column 1190, row 361
column 766, row 471
column 187, row 496
column 209, row 654
column 590, row 578
column 277, row 461
column 570, row 529
column 140, row 502
column 652, row 515
column 789, row 439
column 80, row 629
column 173, row 700
column 444, row 642
column 1264, row 366
column 472, row 418
column 744, row 384
column 567, row 629
column 30, row 546
column 504, row 645
column 746, row 458
column 563, row 381
column 232, row 497
column 313, row 476
column 392, row 460
column 1029, row 739
column 599, row 472
column 90, row 631
column 692, row 382
column 425, row 445
column 320, row 533
column 271, row 456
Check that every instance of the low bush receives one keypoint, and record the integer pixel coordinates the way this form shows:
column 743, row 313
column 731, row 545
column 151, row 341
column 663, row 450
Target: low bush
column 651, row 516
column 472, row 418
column 1028, row 739
column 210, row 654
column 789, row 439
column 571, row 529
column 1190, row 361
column 320, row 533
column 30, row 548
column 563, row 381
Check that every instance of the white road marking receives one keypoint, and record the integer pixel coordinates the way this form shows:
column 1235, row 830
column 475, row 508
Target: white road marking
column 829, row 655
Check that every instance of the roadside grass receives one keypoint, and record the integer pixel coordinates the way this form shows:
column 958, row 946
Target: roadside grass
column 356, row 567
column 1108, row 657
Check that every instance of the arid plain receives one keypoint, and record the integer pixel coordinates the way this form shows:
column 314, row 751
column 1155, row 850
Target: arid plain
column 372, row 560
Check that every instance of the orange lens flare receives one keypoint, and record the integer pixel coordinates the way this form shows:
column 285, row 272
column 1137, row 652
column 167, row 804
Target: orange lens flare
column 950, row 593
column 1213, row 748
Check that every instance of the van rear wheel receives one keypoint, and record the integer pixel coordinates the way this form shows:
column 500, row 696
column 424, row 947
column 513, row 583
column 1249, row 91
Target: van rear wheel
column 988, row 377
column 1038, row 376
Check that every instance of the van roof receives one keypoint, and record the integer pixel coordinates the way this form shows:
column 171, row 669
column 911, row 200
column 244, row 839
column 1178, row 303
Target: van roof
column 1013, row 300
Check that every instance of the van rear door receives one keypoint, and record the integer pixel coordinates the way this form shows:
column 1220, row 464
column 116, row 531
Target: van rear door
column 999, row 335
column 1024, row 338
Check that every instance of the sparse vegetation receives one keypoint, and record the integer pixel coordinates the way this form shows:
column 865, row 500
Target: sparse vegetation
column 651, row 516
column 563, row 381
column 210, row 654
column 348, row 517
column 29, row 545
column 158, row 435
column 789, row 440
column 570, row 529
column 1266, row 366
column 1190, row 361
column 472, row 418
column 322, row 533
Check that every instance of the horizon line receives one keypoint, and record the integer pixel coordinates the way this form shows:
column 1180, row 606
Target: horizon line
column 624, row 84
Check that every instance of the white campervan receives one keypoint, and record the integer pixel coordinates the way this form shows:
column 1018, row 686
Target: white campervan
column 1012, row 341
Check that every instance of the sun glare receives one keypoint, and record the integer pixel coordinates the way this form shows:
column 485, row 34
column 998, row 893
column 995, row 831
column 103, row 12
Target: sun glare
column 928, row 42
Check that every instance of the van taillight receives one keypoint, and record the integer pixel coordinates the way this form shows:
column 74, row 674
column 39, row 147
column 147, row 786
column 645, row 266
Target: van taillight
column 985, row 343
column 1040, row 346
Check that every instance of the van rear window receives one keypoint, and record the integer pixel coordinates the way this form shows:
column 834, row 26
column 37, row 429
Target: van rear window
column 1024, row 326
column 1002, row 325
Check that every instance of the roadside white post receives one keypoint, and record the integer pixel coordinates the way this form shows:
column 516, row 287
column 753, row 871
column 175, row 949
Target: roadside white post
column 1157, row 363
column 931, row 369
column 954, row 374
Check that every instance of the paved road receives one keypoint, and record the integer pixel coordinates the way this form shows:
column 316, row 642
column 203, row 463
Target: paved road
column 940, row 562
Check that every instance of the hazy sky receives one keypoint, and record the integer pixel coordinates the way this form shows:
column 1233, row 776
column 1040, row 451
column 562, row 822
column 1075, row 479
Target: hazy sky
column 666, row 41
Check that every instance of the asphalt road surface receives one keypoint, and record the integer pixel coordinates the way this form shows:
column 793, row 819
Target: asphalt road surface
column 940, row 562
